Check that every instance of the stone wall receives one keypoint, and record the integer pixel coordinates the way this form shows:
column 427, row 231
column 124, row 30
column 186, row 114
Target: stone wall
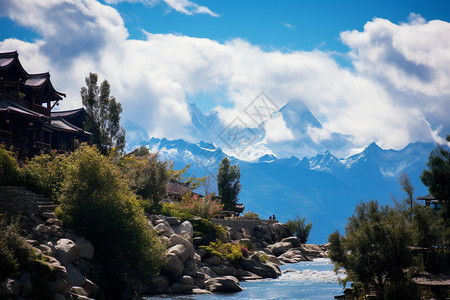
column 240, row 223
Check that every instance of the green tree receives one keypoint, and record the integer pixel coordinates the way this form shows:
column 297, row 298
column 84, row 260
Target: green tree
column 298, row 228
column 408, row 188
column 437, row 178
column 374, row 250
column 97, row 202
column 103, row 119
column 228, row 184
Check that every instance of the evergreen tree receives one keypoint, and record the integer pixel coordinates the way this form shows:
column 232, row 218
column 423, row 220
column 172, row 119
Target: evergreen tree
column 103, row 119
column 437, row 178
column 228, row 184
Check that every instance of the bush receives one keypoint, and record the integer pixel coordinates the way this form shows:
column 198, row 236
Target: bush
column 45, row 173
column 251, row 215
column 229, row 251
column 201, row 207
column 208, row 231
column 98, row 203
column 9, row 169
column 298, row 228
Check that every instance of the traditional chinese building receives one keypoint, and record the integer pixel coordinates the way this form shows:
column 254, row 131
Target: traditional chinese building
column 26, row 119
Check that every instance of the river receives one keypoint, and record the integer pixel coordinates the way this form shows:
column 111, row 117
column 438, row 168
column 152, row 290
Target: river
column 304, row 280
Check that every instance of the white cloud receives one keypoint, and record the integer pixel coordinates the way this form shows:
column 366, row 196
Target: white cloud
column 398, row 92
column 288, row 25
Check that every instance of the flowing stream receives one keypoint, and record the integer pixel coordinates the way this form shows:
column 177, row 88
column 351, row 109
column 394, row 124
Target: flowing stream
column 304, row 280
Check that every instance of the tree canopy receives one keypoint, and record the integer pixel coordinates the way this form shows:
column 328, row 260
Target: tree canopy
column 228, row 184
column 103, row 119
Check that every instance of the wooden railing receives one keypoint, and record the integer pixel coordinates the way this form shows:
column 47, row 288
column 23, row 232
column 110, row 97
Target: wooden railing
column 41, row 109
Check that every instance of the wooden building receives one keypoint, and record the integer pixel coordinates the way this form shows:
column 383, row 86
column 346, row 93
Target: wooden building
column 26, row 103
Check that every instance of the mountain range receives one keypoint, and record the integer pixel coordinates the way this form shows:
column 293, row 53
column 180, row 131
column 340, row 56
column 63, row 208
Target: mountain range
column 314, row 184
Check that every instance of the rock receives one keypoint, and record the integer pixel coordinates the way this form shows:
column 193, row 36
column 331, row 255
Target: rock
column 185, row 230
column 200, row 292
column 11, row 287
column 209, row 272
column 86, row 250
column 158, row 284
column 186, row 279
column 190, row 268
column 197, row 258
column 176, row 239
column 164, row 229
column 58, row 285
column 25, row 282
column 246, row 275
column 280, row 248
column 255, row 266
column 181, row 288
column 173, row 268
column 180, row 251
column 172, row 221
column 75, row 276
column 48, row 215
column 40, row 229
column 91, row 288
column 269, row 257
column 262, row 231
column 293, row 255
column 224, row 284
column 201, row 252
column 280, row 231
column 295, row 241
column 78, row 290
column 46, row 249
column 66, row 251
column 223, row 270
column 153, row 218
column 213, row 260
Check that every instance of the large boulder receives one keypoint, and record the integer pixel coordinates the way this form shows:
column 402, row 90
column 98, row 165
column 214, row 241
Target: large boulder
column 173, row 268
column 295, row 241
column 163, row 228
column 75, row 276
column 66, row 251
column 86, row 250
column 254, row 265
column 293, row 255
column 280, row 231
column 223, row 270
column 280, row 248
column 158, row 284
column 176, row 239
column 224, row 284
column 180, row 251
column 185, row 230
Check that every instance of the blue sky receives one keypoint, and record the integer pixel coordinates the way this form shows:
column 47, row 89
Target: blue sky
column 372, row 70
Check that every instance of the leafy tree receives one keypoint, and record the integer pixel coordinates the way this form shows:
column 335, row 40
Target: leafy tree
column 298, row 228
column 437, row 177
column 103, row 119
column 228, row 184
column 97, row 202
column 374, row 250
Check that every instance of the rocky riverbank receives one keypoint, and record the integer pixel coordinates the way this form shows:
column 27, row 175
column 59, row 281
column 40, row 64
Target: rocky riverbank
column 191, row 270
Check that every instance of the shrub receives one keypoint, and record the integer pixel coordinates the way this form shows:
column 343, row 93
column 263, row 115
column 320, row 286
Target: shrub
column 202, row 207
column 251, row 215
column 208, row 231
column 45, row 173
column 229, row 251
column 9, row 169
column 97, row 202
column 298, row 228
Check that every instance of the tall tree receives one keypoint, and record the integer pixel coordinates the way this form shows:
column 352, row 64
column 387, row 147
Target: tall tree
column 437, row 178
column 228, row 184
column 103, row 119
column 408, row 188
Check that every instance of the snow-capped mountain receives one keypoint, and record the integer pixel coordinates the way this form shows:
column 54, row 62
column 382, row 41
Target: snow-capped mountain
column 324, row 188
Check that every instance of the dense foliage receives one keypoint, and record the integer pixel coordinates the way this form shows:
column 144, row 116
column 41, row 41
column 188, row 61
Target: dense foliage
column 374, row 250
column 96, row 201
column 103, row 119
column 9, row 169
column 437, row 177
column 228, row 184
column 250, row 215
column 298, row 228
column 229, row 251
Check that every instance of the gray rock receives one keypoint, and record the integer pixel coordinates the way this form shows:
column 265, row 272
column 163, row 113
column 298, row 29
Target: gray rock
column 257, row 267
column 86, row 250
column 158, row 284
column 91, row 288
column 78, row 290
column 209, row 272
column 185, row 230
column 40, row 229
column 224, row 284
column 180, row 251
column 58, row 285
column 75, row 276
column 164, row 229
column 181, row 288
column 172, row 221
column 223, row 270
column 176, row 239
column 66, row 251
column 280, row 231
column 11, row 287
column 280, row 248
column 186, row 279
column 246, row 275
column 213, row 260
column 173, row 268
column 295, row 241
column 200, row 292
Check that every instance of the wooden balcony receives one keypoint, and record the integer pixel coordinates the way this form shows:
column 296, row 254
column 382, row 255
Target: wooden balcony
column 41, row 109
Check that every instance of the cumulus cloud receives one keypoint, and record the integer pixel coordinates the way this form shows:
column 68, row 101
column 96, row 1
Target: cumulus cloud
column 398, row 92
column 182, row 6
